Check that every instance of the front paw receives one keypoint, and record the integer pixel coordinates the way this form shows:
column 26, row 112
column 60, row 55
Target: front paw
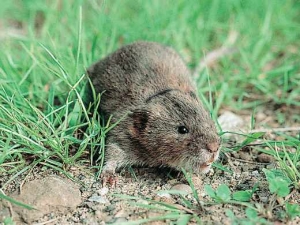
column 108, row 176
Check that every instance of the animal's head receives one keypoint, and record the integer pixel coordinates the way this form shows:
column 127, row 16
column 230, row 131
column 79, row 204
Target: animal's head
column 173, row 129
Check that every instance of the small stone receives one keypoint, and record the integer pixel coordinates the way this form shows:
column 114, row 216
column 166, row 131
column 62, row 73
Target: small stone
column 81, row 177
column 255, row 173
column 172, row 182
column 164, row 195
column 232, row 123
column 110, row 208
column 265, row 158
column 211, row 172
column 183, row 188
column 264, row 199
column 260, row 116
column 47, row 195
column 245, row 155
column 158, row 188
column 99, row 199
column 103, row 191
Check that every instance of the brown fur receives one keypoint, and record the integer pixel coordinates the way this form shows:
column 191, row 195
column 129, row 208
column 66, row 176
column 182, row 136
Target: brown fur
column 150, row 84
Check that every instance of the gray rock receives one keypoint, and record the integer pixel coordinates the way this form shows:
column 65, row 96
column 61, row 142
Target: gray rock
column 51, row 194
column 103, row 191
column 182, row 188
column 99, row 199
column 232, row 123
column 163, row 195
column 265, row 158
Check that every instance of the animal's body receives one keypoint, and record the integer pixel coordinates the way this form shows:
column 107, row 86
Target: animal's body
column 165, row 123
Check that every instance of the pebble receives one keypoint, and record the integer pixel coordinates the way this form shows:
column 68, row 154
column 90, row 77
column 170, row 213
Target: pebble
column 245, row 155
column 103, row 191
column 264, row 199
column 203, row 194
column 172, row 181
column 264, row 158
column 163, row 195
column 182, row 187
column 99, row 199
column 46, row 194
column 231, row 122
column 255, row 173
column 110, row 208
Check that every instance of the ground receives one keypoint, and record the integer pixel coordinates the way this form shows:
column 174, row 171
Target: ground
column 244, row 58
column 98, row 204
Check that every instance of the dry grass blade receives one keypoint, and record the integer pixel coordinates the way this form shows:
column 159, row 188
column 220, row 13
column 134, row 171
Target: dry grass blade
column 211, row 58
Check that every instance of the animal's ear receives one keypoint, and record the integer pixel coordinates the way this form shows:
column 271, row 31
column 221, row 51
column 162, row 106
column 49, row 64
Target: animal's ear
column 140, row 120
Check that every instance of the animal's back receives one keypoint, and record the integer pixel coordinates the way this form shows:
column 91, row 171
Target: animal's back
column 135, row 72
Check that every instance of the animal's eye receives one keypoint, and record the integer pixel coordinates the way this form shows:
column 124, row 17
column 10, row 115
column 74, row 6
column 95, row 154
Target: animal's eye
column 182, row 130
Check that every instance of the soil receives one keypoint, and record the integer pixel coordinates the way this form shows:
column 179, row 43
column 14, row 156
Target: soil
column 87, row 201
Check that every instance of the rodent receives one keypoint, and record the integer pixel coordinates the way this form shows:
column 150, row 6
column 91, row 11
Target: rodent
column 165, row 123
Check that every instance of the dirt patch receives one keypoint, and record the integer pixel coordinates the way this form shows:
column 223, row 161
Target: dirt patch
column 87, row 201
column 99, row 205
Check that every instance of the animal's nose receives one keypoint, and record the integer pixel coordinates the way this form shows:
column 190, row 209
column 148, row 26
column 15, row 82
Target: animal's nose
column 213, row 147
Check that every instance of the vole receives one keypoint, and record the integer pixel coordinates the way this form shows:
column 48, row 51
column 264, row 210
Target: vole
column 165, row 123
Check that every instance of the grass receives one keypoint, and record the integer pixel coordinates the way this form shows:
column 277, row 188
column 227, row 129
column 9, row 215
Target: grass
column 46, row 47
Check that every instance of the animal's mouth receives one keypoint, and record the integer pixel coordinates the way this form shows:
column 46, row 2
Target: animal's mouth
column 195, row 164
column 205, row 167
